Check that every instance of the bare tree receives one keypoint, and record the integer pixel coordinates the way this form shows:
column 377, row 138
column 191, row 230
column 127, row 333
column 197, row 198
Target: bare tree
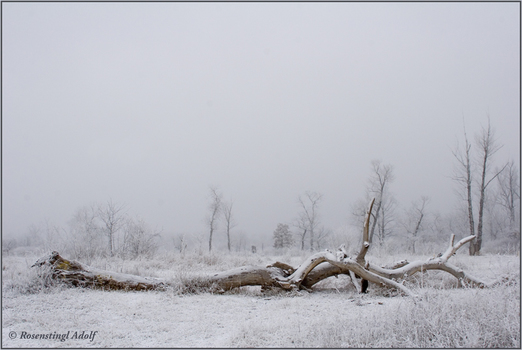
column 322, row 237
column 414, row 220
column 113, row 217
column 463, row 175
column 199, row 238
column 386, row 218
column 437, row 227
column 86, row 233
column 33, row 237
column 309, row 217
column 508, row 196
column 302, row 226
column 241, row 241
column 180, row 242
column 229, row 220
column 496, row 220
column 139, row 239
column 383, row 216
column 487, row 146
column 381, row 177
column 358, row 211
column 215, row 208
column 54, row 235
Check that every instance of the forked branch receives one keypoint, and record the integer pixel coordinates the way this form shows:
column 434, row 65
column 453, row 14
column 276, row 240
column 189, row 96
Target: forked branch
column 438, row 263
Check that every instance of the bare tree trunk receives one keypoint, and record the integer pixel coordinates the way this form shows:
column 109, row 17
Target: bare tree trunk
column 215, row 208
column 509, row 190
column 416, row 213
column 464, row 176
column 228, row 240
column 475, row 246
column 309, row 219
column 210, row 239
column 472, row 248
column 229, row 221
column 415, row 232
column 113, row 218
column 488, row 147
column 509, row 196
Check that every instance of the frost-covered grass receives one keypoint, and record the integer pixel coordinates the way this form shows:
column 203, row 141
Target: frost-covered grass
column 458, row 318
column 333, row 316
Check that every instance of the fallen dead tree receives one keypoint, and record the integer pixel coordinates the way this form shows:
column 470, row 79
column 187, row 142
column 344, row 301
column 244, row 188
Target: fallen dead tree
column 278, row 275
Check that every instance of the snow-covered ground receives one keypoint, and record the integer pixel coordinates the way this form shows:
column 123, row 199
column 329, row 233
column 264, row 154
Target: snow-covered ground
column 332, row 316
column 156, row 319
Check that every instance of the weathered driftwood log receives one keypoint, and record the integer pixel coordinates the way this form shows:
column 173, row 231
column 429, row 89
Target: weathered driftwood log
column 278, row 275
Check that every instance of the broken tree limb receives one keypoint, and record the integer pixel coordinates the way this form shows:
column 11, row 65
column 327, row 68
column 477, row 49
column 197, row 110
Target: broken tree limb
column 438, row 263
column 452, row 249
column 366, row 240
column 361, row 257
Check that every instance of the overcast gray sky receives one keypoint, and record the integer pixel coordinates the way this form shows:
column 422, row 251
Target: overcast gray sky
column 150, row 103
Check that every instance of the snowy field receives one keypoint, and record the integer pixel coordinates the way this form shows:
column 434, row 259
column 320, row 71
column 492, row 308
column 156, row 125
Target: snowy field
column 334, row 315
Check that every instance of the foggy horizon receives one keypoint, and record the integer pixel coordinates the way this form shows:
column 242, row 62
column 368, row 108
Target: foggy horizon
column 149, row 104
